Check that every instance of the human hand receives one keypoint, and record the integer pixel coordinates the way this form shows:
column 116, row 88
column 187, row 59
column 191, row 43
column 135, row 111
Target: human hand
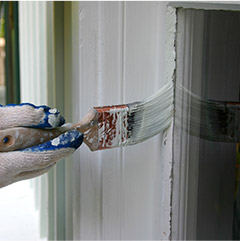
column 37, row 160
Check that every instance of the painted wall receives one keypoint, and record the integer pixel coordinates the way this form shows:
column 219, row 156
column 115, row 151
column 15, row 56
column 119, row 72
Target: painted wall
column 119, row 52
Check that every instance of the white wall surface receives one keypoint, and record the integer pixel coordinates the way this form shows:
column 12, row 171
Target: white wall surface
column 121, row 52
column 119, row 56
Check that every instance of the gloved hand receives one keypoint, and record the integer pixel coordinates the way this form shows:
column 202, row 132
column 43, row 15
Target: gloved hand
column 34, row 161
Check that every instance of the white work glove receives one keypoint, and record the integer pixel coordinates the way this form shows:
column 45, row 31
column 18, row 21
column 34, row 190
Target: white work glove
column 34, row 161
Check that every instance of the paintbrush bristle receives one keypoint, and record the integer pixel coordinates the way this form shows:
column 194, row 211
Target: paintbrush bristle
column 151, row 116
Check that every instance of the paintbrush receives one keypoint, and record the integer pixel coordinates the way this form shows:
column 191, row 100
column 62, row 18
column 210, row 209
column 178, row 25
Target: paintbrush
column 123, row 125
column 105, row 127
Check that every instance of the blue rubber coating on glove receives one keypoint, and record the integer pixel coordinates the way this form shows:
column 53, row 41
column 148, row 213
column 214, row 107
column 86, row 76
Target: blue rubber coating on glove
column 70, row 139
column 45, row 122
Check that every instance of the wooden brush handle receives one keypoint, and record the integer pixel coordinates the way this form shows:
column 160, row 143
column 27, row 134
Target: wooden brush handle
column 89, row 127
column 23, row 137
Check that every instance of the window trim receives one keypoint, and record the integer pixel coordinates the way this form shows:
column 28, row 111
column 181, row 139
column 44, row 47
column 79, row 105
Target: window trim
column 185, row 173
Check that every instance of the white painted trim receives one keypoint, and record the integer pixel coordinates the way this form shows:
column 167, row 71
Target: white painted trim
column 211, row 5
column 185, row 171
column 184, row 200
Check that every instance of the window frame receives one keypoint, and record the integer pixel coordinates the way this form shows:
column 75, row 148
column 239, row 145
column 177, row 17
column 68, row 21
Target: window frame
column 185, row 173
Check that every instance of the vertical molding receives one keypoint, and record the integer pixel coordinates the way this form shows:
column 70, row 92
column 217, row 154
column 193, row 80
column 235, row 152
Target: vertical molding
column 76, row 40
column 113, row 27
column 51, row 97
column 68, row 115
column 185, row 172
column 16, row 63
column 51, row 101
column 86, row 169
column 147, row 166
column 59, row 61
column 33, row 72
column 37, row 49
column 12, row 75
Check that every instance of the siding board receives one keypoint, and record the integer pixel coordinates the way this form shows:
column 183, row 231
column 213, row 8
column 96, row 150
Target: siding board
column 121, row 193
column 118, row 55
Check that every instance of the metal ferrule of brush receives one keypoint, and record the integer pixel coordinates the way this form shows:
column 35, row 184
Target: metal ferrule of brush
column 112, row 126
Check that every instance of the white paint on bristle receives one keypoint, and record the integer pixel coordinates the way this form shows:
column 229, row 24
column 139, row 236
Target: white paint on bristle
column 137, row 121
column 152, row 115
column 53, row 111
column 56, row 141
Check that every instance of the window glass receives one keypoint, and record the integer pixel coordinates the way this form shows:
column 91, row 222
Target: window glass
column 215, row 68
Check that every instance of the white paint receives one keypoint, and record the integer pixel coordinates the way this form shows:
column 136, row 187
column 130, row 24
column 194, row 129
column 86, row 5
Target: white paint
column 53, row 120
column 123, row 193
column 53, row 111
column 154, row 114
column 180, row 205
column 207, row 5
column 65, row 137
column 120, row 53
column 118, row 56
column 55, row 141
column 16, row 134
column 113, row 132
